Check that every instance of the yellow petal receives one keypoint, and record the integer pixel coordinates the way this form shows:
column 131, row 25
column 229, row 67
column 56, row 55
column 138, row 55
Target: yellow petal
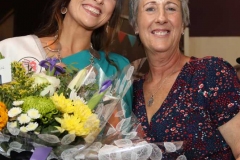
column 60, row 129
column 59, row 120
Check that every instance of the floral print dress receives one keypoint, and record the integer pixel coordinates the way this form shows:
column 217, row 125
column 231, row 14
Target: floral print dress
column 205, row 95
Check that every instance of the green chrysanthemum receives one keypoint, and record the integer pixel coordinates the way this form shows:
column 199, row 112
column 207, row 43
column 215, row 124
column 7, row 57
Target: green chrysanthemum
column 44, row 105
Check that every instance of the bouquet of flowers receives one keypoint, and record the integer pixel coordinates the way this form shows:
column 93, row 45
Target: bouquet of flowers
column 60, row 108
column 63, row 113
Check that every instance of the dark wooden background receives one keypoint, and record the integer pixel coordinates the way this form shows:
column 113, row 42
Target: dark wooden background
column 208, row 18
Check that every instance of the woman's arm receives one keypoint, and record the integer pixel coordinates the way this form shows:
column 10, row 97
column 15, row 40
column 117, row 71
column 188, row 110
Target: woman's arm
column 231, row 133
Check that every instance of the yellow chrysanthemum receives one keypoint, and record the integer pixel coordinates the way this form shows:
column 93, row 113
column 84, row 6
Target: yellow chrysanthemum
column 3, row 115
column 81, row 110
column 74, row 125
column 62, row 104
column 81, row 122
column 77, row 117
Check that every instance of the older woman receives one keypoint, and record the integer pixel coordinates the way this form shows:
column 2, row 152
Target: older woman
column 195, row 100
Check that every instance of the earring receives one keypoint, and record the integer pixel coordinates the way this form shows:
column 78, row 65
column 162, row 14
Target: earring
column 64, row 10
column 136, row 33
column 182, row 33
column 107, row 27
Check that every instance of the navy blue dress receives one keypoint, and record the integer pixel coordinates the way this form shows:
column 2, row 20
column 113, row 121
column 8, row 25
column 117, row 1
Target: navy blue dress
column 205, row 95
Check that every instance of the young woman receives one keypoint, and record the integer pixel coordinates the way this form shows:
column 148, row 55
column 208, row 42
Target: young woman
column 78, row 32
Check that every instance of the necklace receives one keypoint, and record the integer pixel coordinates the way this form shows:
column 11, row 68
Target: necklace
column 55, row 46
column 151, row 99
column 94, row 54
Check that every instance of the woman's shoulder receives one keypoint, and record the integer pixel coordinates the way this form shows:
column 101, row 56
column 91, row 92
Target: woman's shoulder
column 15, row 44
column 117, row 57
column 120, row 60
column 209, row 61
column 22, row 48
column 16, row 40
column 211, row 66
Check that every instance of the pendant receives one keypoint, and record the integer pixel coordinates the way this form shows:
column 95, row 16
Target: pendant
column 150, row 101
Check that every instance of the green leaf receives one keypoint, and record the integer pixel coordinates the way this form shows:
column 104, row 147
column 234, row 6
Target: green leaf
column 96, row 98
column 1, row 56
column 5, row 146
column 50, row 129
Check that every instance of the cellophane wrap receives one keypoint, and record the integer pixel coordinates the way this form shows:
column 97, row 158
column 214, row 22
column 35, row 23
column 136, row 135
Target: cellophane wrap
column 76, row 114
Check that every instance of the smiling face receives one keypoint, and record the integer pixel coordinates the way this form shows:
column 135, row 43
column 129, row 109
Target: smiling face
column 90, row 14
column 159, row 24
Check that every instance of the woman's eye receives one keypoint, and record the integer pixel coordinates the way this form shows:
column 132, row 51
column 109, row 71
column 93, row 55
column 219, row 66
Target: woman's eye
column 150, row 9
column 171, row 9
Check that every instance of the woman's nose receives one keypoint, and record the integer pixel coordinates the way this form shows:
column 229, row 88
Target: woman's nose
column 99, row 1
column 161, row 16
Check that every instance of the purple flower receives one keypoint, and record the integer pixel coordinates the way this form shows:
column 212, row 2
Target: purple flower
column 105, row 85
column 50, row 65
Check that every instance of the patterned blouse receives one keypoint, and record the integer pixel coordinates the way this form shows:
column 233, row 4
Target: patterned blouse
column 205, row 95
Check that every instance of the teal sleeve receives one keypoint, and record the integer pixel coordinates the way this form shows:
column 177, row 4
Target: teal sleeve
column 128, row 99
column 122, row 62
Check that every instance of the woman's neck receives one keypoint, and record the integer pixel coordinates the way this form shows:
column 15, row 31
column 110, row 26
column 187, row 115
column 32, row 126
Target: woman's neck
column 73, row 39
column 162, row 66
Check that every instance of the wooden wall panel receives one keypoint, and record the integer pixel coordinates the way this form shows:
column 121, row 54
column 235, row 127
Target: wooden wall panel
column 214, row 18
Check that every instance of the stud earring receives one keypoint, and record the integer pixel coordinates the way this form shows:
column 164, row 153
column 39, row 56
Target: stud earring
column 64, row 10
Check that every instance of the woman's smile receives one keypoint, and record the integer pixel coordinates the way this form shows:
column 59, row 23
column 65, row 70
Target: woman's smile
column 161, row 32
column 92, row 10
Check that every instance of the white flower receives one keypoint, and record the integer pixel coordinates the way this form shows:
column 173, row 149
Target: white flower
column 17, row 103
column 23, row 119
column 14, row 111
column 23, row 129
column 77, row 81
column 12, row 124
column 32, row 126
column 54, row 83
column 73, row 96
column 33, row 113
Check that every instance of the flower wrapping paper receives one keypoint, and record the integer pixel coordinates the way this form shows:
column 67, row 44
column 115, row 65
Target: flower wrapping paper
column 74, row 114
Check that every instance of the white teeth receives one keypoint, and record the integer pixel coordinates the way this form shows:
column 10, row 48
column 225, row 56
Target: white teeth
column 161, row 33
column 94, row 10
